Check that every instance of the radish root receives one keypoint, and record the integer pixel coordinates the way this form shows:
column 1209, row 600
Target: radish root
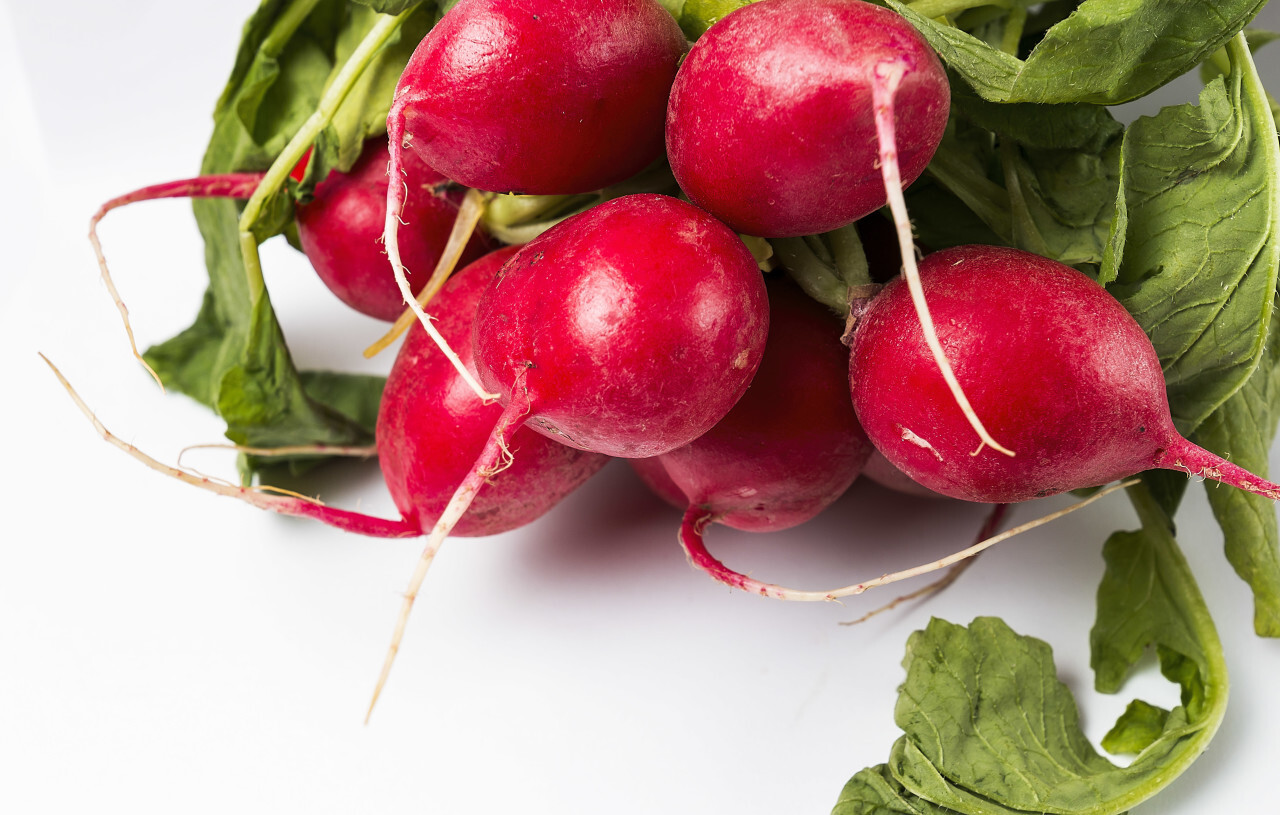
column 231, row 185
column 397, row 142
column 989, row 527
column 696, row 520
column 275, row 500
column 494, row 457
column 887, row 75
column 464, row 226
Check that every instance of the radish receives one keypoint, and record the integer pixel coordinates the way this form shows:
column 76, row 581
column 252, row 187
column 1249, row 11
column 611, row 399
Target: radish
column 341, row 227
column 629, row 329
column 794, row 117
column 1051, row 358
column 772, row 122
column 539, row 96
column 788, row 449
column 879, row 470
column 431, row 428
column 533, row 96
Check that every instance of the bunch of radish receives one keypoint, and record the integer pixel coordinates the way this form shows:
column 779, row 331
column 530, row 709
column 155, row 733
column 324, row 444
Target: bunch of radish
column 643, row 328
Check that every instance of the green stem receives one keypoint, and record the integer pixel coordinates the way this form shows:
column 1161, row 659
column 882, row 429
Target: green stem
column 333, row 97
column 943, row 8
column 850, row 259
column 1013, row 30
column 513, row 210
column 285, row 27
column 815, row 278
column 988, row 200
column 1026, row 235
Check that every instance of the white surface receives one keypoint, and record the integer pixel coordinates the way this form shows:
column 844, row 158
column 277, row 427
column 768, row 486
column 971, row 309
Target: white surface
column 168, row 650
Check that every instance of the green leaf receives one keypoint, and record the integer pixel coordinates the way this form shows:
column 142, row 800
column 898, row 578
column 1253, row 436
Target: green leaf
column 696, row 16
column 874, row 791
column 1141, row 603
column 262, row 398
column 363, row 114
column 1104, row 53
column 1242, row 430
column 1068, row 197
column 989, row 729
column 234, row 357
column 1198, row 260
column 1047, row 127
column 1136, row 729
column 388, row 6
column 982, row 707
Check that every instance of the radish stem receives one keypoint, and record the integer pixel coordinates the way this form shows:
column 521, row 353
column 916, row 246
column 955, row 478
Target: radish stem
column 293, row 152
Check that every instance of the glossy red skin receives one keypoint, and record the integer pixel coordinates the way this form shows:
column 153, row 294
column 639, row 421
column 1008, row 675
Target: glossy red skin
column 792, row 445
column 635, row 326
column 542, row 96
column 341, row 231
column 431, row 427
column 770, row 125
column 1054, row 366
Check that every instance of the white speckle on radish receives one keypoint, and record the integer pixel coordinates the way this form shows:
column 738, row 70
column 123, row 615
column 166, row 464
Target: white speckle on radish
column 922, row 443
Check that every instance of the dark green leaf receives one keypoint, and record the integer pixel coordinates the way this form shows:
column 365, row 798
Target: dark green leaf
column 234, row 357
column 263, row 401
column 1139, row 605
column 1068, row 197
column 982, row 706
column 940, row 219
column 1242, row 430
column 1104, row 53
column 1087, row 128
column 1198, row 259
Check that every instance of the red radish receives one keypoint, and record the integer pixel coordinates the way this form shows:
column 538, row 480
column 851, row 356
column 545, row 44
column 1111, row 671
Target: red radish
column 1053, row 361
column 788, row 449
column 539, row 96
column 340, row 230
column 341, row 227
column 793, row 117
column 879, row 470
column 629, row 329
column 771, row 124
column 431, row 428
column 533, row 96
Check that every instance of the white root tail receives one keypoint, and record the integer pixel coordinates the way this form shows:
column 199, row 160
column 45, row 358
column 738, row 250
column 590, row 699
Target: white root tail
column 691, row 540
column 888, row 75
column 495, row 456
column 396, row 193
column 464, row 226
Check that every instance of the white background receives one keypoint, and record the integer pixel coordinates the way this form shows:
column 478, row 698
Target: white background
column 168, row 650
